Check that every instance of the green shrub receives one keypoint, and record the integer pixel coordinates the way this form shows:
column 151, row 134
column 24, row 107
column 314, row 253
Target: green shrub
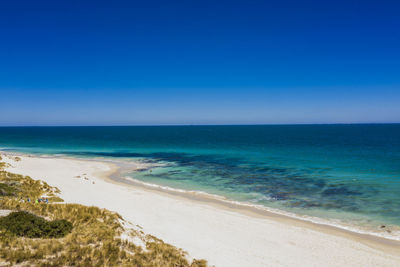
column 25, row 224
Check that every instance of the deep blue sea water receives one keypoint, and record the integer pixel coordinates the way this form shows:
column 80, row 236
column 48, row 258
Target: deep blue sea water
column 349, row 173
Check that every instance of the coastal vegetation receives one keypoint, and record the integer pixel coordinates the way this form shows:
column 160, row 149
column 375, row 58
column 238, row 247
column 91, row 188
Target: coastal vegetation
column 22, row 223
column 59, row 234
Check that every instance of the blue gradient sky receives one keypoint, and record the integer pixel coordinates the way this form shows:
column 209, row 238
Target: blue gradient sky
column 199, row 62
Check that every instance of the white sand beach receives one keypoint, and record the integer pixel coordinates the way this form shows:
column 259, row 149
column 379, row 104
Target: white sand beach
column 223, row 235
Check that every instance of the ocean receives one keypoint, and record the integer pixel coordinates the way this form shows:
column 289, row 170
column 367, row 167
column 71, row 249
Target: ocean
column 347, row 175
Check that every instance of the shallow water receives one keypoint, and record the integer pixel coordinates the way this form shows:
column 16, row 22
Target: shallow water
column 349, row 173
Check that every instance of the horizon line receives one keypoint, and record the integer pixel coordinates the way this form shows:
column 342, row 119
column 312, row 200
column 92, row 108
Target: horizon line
column 177, row 125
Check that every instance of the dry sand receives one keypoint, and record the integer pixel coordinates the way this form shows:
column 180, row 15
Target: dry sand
column 224, row 235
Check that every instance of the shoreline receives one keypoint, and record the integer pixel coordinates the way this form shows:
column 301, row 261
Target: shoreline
column 116, row 176
column 198, row 204
column 370, row 239
column 249, row 208
column 259, row 212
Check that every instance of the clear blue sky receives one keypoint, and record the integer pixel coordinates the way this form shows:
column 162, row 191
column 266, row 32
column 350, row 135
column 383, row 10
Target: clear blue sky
column 199, row 62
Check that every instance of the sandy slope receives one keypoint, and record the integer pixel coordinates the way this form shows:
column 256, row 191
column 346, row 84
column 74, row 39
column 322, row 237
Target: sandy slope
column 223, row 236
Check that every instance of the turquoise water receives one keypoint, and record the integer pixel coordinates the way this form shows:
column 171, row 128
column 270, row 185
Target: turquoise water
column 345, row 172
